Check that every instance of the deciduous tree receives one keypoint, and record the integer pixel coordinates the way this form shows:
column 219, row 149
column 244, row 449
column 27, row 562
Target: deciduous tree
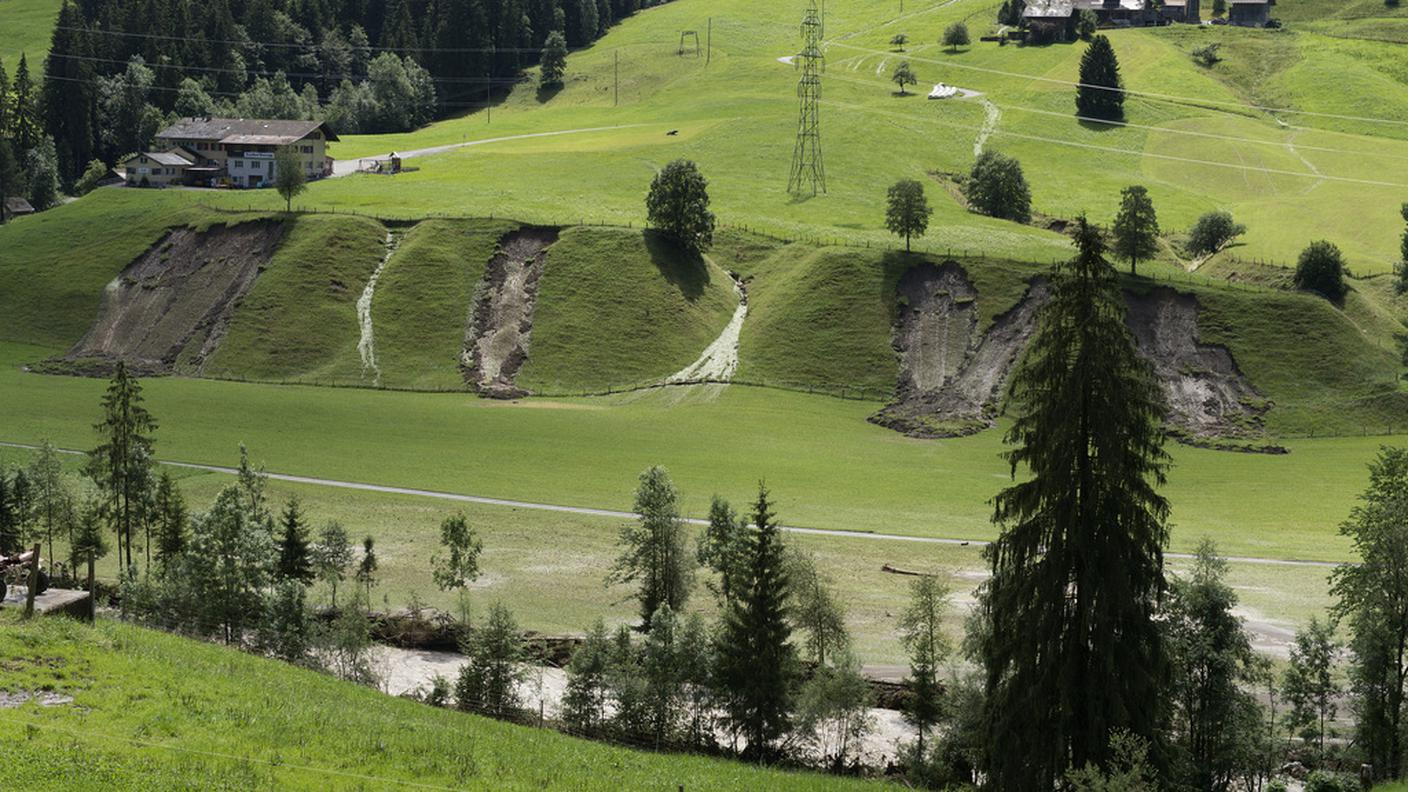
column 955, row 36
column 653, row 550
column 904, row 75
column 1372, row 597
column 332, row 556
column 996, row 187
column 678, row 205
column 488, row 681
column 1320, row 269
column 1309, row 685
column 289, row 177
column 1136, row 227
column 907, row 211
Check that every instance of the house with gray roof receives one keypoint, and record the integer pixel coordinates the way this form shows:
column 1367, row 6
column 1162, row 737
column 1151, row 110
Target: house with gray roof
column 234, row 152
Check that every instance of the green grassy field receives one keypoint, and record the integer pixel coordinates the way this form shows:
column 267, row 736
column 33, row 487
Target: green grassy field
column 826, row 465
column 550, row 568
column 28, row 27
column 154, row 711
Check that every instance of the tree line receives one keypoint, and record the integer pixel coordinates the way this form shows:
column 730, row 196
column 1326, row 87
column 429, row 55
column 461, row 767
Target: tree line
column 117, row 71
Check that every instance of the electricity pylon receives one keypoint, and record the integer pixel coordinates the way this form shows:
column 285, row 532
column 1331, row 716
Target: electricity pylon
column 808, row 175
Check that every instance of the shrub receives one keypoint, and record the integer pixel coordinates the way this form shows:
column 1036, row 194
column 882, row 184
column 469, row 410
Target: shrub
column 996, row 187
column 1321, row 269
column 1325, row 781
column 1212, row 231
column 1206, row 55
column 94, row 173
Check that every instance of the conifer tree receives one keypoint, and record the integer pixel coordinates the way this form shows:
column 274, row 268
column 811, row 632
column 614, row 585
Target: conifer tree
column 10, row 538
column 4, row 101
column 722, row 546
column 53, row 503
column 921, row 633
column 554, row 59
column 121, row 463
column 1101, row 91
column 24, row 124
column 366, row 570
column 295, row 561
column 757, row 663
column 1070, row 649
column 70, row 93
column 171, row 518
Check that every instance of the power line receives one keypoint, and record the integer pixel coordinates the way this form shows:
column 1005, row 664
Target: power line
column 265, row 73
column 229, row 94
column 1131, row 152
column 1145, row 94
column 1168, row 130
column 286, row 45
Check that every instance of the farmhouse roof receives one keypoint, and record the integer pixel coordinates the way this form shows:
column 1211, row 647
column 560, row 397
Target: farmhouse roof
column 168, row 158
column 247, row 131
column 1253, row 2
column 1049, row 9
column 16, row 205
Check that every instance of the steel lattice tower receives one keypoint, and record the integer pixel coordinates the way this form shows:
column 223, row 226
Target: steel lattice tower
column 808, row 175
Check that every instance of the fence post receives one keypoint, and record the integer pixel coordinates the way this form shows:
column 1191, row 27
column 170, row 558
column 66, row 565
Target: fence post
column 33, row 581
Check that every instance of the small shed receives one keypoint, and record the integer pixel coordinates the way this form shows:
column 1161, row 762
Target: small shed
column 14, row 206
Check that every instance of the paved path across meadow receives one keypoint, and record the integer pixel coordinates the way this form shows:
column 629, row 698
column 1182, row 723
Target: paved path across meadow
column 625, row 515
column 344, row 167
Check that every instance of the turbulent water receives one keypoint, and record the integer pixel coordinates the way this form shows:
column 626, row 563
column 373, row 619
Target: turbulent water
column 366, row 345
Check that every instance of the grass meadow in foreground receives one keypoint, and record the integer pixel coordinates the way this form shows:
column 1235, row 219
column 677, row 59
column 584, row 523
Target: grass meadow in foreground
column 154, row 711
column 550, row 568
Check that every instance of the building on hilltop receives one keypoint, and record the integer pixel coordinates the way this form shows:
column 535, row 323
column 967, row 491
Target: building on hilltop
column 233, row 152
column 1055, row 20
column 1249, row 13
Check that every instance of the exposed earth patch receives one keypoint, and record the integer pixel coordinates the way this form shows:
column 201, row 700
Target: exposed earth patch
column 501, row 320
column 951, row 377
column 952, row 380
column 1209, row 400
column 169, row 309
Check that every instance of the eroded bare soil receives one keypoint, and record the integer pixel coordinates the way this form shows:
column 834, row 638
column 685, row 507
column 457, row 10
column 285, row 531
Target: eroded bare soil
column 169, row 309
column 1208, row 398
column 952, row 380
column 501, row 321
column 951, row 377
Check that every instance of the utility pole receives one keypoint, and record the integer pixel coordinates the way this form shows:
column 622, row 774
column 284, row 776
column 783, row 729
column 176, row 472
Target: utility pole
column 709, row 42
column 616, row 96
column 808, row 175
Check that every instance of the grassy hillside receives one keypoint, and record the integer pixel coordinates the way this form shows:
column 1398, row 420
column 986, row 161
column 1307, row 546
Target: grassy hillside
column 29, row 25
column 620, row 307
column 56, row 263
column 422, row 302
column 153, row 711
column 300, row 318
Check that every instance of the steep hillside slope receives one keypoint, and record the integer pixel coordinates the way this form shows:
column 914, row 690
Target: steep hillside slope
column 146, row 710
column 422, row 303
column 618, row 307
column 300, row 318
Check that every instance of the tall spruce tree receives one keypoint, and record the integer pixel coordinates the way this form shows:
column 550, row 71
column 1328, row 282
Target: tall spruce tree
column 171, row 519
column 757, row 663
column 121, row 463
column 70, row 93
column 1101, row 91
column 24, row 107
column 295, row 561
column 1071, row 652
column 1136, row 226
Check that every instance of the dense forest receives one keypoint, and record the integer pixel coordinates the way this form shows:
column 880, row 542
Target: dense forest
column 119, row 69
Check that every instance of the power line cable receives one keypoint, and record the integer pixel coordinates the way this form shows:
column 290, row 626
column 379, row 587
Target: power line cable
column 287, row 45
column 1131, row 92
column 266, row 73
column 1155, row 128
column 1129, row 152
